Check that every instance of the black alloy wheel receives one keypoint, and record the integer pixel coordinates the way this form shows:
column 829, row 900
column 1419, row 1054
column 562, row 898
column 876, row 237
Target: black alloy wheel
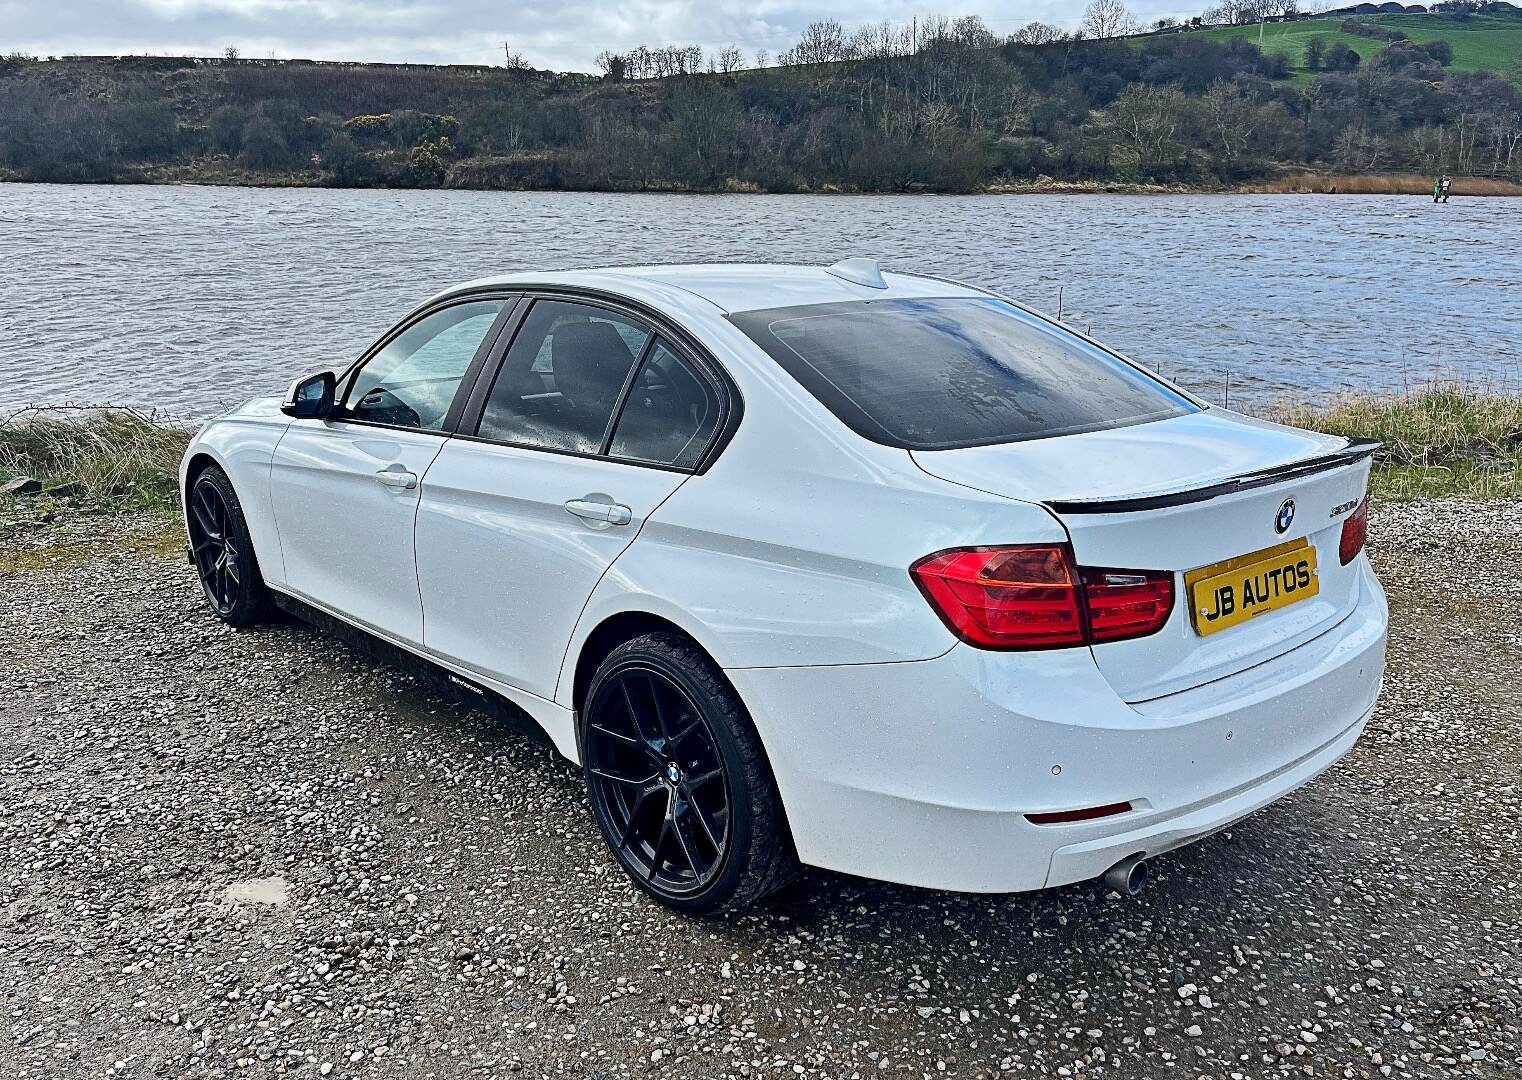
column 660, row 780
column 222, row 551
column 678, row 780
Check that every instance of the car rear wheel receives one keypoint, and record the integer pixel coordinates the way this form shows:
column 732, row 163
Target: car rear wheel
column 222, row 551
column 678, row 779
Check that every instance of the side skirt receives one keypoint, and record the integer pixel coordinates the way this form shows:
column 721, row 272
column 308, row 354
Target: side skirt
column 467, row 691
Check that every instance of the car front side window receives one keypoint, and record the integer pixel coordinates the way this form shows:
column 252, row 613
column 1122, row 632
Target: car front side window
column 412, row 380
column 562, row 378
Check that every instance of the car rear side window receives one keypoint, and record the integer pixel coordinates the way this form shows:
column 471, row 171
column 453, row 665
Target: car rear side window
column 942, row 373
column 562, row 378
column 671, row 414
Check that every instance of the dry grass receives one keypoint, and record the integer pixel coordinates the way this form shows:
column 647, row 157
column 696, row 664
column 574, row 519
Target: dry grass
column 113, row 453
column 1439, row 439
column 1378, row 184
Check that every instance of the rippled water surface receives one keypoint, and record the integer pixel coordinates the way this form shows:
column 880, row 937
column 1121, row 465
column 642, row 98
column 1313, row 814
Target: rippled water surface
column 189, row 298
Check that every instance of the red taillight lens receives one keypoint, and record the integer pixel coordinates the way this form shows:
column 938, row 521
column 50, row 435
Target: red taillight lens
column 1033, row 597
column 1126, row 603
column 1355, row 533
column 1004, row 598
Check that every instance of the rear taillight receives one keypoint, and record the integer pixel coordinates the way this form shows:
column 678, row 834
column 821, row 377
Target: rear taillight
column 1355, row 532
column 1033, row 597
column 1126, row 603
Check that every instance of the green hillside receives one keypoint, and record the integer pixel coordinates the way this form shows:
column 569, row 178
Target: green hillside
column 1481, row 42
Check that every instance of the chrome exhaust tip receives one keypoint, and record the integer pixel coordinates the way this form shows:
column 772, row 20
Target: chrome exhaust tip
column 1128, row 876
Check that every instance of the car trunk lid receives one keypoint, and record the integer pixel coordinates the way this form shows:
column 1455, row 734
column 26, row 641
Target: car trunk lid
column 1181, row 495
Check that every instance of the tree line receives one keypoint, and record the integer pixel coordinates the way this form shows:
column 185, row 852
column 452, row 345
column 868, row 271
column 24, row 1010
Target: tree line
column 941, row 105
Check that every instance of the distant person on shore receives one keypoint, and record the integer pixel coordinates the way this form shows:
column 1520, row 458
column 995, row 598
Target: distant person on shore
column 1441, row 188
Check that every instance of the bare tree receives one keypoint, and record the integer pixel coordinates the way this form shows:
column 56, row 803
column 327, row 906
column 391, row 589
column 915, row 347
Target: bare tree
column 822, row 42
column 1037, row 33
column 763, row 58
column 730, row 59
column 1108, row 19
column 514, row 61
column 614, row 66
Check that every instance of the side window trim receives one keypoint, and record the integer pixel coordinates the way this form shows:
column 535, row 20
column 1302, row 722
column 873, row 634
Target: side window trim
column 626, row 391
column 478, row 361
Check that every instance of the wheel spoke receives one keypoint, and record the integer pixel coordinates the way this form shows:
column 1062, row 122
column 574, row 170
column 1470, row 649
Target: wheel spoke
column 697, row 781
column 203, row 518
column 628, row 781
column 655, row 848
column 660, row 713
column 618, row 736
column 682, row 734
column 629, row 826
column 697, row 812
column 633, row 709
column 681, row 828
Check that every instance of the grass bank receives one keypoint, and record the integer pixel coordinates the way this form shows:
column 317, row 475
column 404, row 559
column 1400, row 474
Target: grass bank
column 1439, row 440
column 107, row 456
column 1304, row 183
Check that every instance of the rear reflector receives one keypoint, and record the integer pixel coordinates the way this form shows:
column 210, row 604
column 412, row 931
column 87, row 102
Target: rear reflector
column 1033, row 597
column 1355, row 533
column 1088, row 813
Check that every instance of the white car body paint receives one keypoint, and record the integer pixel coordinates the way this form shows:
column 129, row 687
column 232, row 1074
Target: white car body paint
column 900, row 752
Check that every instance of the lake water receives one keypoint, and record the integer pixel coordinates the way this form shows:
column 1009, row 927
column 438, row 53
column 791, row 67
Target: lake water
column 186, row 299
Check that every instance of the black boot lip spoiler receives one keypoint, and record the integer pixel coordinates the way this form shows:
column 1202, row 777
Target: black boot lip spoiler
column 1353, row 452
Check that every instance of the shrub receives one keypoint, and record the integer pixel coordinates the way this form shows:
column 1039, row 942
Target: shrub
column 1364, row 28
column 410, row 128
column 264, row 146
column 1340, row 57
column 225, row 129
column 369, row 128
column 1439, row 50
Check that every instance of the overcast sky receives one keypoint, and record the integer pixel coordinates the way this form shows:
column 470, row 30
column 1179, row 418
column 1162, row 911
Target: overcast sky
column 561, row 34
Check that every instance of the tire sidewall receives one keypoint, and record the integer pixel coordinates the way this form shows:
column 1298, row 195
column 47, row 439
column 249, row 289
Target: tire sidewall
column 642, row 652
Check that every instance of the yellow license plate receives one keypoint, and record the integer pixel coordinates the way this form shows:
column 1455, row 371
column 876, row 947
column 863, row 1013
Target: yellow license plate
column 1231, row 592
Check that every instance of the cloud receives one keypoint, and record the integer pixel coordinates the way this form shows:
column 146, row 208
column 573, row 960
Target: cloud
column 559, row 34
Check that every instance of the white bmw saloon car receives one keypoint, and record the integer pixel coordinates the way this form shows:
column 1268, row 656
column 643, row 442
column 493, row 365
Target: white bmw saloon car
column 821, row 566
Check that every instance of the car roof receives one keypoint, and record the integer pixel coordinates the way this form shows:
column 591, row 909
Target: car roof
column 731, row 287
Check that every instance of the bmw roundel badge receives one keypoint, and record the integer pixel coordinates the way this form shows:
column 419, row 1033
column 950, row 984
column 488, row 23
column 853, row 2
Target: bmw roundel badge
column 1285, row 517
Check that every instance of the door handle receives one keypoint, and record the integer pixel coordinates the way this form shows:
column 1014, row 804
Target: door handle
column 599, row 513
column 396, row 478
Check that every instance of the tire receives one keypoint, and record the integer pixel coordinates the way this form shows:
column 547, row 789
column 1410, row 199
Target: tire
column 659, row 703
column 223, row 552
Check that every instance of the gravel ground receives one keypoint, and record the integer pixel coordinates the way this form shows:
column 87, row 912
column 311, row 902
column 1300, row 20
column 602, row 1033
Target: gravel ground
column 260, row 853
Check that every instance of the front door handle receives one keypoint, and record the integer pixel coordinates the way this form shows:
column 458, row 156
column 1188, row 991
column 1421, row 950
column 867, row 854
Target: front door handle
column 599, row 513
column 397, row 478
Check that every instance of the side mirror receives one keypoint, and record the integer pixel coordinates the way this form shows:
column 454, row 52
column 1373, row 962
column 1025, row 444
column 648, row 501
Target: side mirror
column 310, row 398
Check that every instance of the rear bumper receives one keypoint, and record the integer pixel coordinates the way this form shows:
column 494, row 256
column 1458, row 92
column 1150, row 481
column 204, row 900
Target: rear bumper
column 923, row 773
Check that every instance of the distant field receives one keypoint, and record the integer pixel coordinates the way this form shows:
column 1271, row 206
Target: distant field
column 1479, row 43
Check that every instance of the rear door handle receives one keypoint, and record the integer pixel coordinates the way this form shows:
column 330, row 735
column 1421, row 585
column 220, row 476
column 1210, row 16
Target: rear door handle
column 397, row 478
column 598, row 513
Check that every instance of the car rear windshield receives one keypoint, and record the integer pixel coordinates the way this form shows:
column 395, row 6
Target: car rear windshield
column 936, row 374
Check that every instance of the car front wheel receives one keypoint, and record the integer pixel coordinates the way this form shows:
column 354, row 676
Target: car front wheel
column 678, row 779
column 222, row 551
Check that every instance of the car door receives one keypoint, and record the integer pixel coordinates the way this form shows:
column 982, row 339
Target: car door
column 345, row 490
column 589, row 423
